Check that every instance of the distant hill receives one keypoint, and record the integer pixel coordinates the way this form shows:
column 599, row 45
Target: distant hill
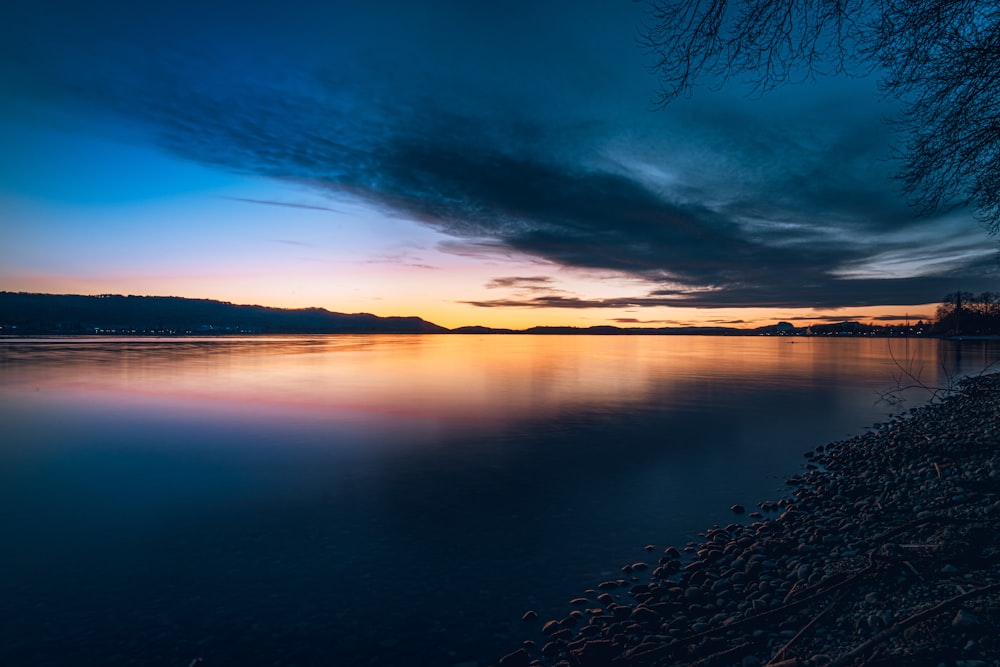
column 113, row 313
column 33, row 314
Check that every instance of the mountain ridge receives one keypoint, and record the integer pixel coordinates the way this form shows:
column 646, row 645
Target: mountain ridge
column 25, row 312
column 29, row 313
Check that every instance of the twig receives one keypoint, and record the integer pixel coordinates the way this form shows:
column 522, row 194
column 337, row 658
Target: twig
column 781, row 651
column 913, row 570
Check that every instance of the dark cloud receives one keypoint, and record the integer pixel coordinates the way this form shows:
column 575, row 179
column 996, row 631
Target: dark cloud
column 833, row 294
column 547, row 150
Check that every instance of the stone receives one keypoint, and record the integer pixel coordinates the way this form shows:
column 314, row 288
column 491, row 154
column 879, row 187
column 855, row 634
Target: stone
column 738, row 509
column 595, row 653
column 550, row 627
column 552, row 649
column 965, row 619
column 645, row 615
column 530, row 615
column 519, row 658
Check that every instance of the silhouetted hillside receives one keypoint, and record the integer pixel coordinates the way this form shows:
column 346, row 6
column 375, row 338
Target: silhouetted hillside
column 72, row 314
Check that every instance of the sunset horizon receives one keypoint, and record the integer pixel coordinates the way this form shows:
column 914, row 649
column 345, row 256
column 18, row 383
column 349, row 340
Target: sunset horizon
column 293, row 163
column 801, row 318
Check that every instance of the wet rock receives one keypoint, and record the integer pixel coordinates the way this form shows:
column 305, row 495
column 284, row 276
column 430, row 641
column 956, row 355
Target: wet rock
column 530, row 615
column 595, row 653
column 738, row 509
column 519, row 658
column 965, row 619
column 644, row 615
column 552, row 649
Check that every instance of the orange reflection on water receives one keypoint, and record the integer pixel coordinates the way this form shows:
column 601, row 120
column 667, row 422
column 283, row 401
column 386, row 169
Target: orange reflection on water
column 468, row 379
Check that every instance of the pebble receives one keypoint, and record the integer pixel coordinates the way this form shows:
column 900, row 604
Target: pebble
column 519, row 658
column 965, row 619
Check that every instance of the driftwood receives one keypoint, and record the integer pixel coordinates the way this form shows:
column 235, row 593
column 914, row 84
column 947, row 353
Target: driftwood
column 779, row 657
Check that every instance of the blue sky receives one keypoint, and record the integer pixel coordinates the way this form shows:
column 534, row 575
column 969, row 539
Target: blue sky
column 496, row 163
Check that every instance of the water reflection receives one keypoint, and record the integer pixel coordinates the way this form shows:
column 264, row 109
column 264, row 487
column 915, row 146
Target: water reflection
column 481, row 380
column 344, row 500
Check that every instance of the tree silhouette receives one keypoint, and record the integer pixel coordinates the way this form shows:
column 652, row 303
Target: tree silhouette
column 967, row 313
column 940, row 58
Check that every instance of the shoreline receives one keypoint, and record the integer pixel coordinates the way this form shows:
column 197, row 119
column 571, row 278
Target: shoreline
column 886, row 552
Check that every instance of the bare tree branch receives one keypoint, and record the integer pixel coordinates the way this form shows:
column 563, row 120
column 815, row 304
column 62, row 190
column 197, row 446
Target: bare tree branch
column 941, row 58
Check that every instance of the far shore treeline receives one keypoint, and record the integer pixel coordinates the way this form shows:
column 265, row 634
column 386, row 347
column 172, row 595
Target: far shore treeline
column 21, row 313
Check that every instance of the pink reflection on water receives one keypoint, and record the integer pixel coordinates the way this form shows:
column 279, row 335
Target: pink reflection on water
column 423, row 387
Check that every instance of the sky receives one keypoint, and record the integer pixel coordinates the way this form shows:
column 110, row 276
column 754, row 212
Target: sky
column 494, row 163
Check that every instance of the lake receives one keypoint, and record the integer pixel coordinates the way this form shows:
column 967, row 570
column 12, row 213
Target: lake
column 388, row 500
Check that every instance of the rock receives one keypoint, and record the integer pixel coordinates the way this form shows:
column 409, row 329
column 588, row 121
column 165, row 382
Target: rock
column 550, row 627
column 965, row 619
column 738, row 509
column 595, row 653
column 645, row 615
column 519, row 658
column 620, row 612
column 552, row 649
column 530, row 615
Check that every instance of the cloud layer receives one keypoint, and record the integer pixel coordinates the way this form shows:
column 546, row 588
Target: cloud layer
column 493, row 127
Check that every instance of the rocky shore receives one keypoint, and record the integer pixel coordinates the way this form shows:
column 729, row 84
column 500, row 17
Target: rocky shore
column 886, row 552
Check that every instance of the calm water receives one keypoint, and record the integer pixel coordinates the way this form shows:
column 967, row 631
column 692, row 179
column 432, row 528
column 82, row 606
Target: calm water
column 356, row 500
